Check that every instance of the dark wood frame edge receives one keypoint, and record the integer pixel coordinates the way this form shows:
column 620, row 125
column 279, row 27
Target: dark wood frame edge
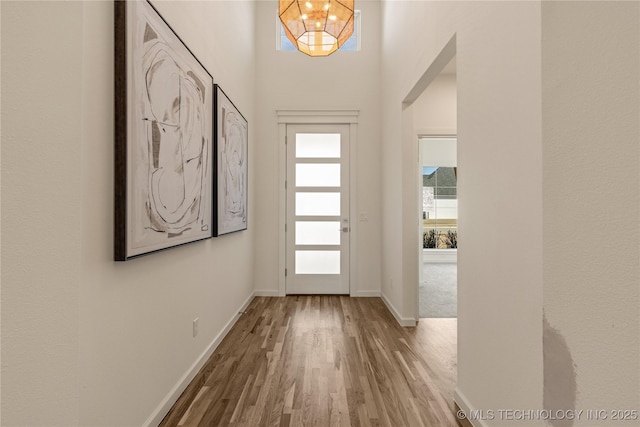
column 120, row 130
column 216, row 233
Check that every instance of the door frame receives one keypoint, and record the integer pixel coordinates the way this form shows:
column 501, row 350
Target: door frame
column 315, row 117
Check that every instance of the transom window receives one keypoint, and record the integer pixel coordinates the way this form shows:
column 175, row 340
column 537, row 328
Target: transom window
column 351, row 45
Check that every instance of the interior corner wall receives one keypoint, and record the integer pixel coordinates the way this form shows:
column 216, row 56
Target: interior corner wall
column 500, row 170
column 85, row 340
column 290, row 80
column 591, row 134
column 435, row 112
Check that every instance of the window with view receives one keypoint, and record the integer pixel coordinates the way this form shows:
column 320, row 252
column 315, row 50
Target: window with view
column 440, row 207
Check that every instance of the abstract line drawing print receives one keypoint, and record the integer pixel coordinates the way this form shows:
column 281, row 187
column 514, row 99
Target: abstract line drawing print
column 169, row 137
column 232, row 160
column 231, row 166
column 174, row 114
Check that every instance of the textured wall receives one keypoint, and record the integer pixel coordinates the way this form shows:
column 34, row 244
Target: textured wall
column 85, row 340
column 500, row 170
column 41, row 212
column 289, row 80
column 591, row 129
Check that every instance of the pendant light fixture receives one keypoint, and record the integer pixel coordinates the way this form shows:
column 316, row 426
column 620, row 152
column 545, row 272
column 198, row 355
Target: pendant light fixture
column 317, row 27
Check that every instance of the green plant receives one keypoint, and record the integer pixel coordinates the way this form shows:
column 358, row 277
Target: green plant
column 452, row 237
column 430, row 239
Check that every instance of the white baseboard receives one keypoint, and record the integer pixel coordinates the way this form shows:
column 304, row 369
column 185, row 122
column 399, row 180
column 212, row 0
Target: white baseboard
column 161, row 411
column 275, row 293
column 403, row 321
column 465, row 406
column 448, row 256
column 366, row 294
column 266, row 293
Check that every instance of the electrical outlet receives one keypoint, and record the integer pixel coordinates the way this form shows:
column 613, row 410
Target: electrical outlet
column 195, row 327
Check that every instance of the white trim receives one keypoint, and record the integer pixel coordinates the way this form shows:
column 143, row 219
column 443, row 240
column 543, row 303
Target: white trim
column 357, row 20
column 437, row 133
column 461, row 400
column 266, row 293
column 353, row 206
column 447, row 256
column 366, row 294
column 403, row 321
column 282, row 207
column 309, row 117
column 278, row 32
column 167, row 403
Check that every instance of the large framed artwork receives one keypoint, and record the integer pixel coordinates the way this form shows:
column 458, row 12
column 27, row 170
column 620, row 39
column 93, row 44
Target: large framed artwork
column 231, row 168
column 163, row 136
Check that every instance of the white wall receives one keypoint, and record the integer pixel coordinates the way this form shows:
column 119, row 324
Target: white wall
column 435, row 110
column 288, row 80
column 85, row 340
column 553, row 176
column 0, row 223
column 591, row 134
column 41, row 212
column 498, row 102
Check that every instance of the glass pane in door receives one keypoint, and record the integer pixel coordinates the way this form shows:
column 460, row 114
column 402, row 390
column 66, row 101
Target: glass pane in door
column 317, row 204
column 318, row 175
column 318, row 145
column 317, row 232
column 317, row 262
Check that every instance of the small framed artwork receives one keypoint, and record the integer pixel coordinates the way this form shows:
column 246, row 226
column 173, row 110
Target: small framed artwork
column 230, row 163
column 163, row 136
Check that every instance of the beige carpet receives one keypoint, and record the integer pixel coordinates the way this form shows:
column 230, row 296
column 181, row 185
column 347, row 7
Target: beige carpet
column 439, row 291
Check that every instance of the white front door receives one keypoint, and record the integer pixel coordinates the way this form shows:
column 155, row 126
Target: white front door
column 317, row 224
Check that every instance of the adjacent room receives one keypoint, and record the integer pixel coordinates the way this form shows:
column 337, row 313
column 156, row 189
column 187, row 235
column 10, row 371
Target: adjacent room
column 435, row 125
column 439, row 284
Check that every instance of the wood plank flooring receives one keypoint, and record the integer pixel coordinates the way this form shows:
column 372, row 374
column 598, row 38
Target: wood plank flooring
column 324, row 361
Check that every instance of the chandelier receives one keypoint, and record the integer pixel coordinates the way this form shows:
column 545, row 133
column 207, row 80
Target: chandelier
column 317, row 27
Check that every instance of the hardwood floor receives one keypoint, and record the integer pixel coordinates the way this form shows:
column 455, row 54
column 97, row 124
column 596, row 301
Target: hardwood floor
column 324, row 361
